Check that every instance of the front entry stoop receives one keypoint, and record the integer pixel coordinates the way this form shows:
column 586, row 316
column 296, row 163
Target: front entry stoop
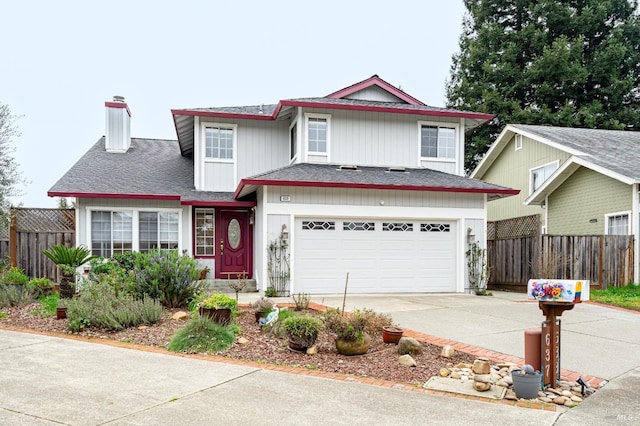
column 222, row 286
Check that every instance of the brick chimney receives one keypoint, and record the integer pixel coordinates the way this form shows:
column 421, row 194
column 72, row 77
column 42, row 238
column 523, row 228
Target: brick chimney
column 118, row 125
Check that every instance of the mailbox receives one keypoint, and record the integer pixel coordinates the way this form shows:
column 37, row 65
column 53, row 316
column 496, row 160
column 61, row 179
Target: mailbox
column 573, row 291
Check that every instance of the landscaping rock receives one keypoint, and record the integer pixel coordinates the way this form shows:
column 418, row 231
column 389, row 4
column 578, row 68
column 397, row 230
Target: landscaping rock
column 448, row 351
column 481, row 367
column 180, row 316
column 312, row 350
column 242, row 341
column 482, row 378
column 481, row 387
column 444, row 372
column 455, row 375
column 408, row 361
column 409, row 345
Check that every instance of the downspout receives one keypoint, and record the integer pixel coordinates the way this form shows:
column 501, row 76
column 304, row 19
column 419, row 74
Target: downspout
column 635, row 228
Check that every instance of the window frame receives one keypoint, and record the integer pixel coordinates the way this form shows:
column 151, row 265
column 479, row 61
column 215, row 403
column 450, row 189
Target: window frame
column 440, row 125
column 195, row 233
column 609, row 216
column 541, row 167
column 234, row 137
column 327, row 118
column 293, row 154
column 135, row 223
column 518, row 142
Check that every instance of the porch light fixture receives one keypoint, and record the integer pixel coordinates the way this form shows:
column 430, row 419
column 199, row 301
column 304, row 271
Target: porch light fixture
column 285, row 232
column 471, row 238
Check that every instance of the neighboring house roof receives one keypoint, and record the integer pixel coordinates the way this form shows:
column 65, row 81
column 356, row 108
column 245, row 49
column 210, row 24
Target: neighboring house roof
column 613, row 153
column 365, row 177
column 150, row 169
column 184, row 118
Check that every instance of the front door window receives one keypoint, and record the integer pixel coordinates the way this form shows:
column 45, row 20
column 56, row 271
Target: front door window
column 233, row 233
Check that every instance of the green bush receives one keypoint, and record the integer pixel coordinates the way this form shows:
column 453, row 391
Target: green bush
column 219, row 301
column 168, row 277
column 100, row 305
column 15, row 276
column 11, row 295
column 48, row 305
column 202, row 335
column 302, row 329
column 73, row 257
column 41, row 285
column 127, row 260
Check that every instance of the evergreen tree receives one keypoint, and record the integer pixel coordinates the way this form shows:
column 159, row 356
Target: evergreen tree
column 558, row 62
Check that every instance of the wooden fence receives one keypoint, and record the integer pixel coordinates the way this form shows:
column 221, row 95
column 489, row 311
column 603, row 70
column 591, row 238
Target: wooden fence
column 605, row 260
column 34, row 230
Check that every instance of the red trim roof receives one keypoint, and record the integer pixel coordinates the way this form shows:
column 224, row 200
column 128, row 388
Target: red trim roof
column 267, row 182
column 374, row 80
column 328, row 105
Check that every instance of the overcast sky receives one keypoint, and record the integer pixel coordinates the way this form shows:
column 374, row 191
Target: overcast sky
column 61, row 60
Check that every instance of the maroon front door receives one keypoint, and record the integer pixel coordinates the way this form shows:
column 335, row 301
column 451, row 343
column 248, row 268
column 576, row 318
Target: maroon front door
column 233, row 244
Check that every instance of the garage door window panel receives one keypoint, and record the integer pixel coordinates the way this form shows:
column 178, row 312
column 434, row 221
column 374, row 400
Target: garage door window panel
column 397, row 226
column 435, row 227
column 359, row 226
column 314, row 225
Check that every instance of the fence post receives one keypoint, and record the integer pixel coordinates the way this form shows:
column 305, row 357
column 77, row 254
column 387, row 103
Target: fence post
column 13, row 238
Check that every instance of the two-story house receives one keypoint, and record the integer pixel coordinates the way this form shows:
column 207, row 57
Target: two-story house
column 367, row 181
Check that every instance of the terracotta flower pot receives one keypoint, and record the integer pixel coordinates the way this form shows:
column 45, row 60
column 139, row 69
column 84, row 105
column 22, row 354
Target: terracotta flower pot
column 391, row 334
column 61, row 313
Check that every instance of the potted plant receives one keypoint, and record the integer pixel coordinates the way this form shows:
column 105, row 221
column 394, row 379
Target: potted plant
column 218, row 307
column 68, row 260
column 526, row 382
column 349, row 327
column 302, row 331
column 204, row 272
column 261, row 307
column 391, row 334
column 61, row 309
column 16, row 277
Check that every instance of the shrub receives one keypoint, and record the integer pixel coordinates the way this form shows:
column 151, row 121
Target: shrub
column 168, row 277
column 101, row 306
column 73, row 257
column 302, row 329
column 48, row 305
column 127, row 260
column 301, row 301
column 41, row 285
column 15, row 276
column 11, row 295
column 202, row 335
column 219, row 301
column 352, row 325
column 262, row 305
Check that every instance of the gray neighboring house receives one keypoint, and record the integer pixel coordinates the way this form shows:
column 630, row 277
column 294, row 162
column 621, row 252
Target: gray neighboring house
column 581, row 181
column 367, row 180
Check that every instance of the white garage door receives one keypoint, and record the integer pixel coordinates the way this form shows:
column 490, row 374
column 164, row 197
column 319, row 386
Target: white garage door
column 381, row 256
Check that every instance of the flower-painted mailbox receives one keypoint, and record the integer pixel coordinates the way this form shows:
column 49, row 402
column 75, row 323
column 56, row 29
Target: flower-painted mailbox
column 554, row 297
column 573, row 291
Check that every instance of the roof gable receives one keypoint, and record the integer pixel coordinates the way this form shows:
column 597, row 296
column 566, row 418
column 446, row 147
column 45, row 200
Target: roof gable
column 375, row 89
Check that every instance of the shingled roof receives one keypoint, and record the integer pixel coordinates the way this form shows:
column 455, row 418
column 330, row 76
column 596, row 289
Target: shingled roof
column 151, row 168
column 367, row 177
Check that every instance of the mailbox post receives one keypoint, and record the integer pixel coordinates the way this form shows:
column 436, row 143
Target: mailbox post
column 554, row 297
column 551, row 340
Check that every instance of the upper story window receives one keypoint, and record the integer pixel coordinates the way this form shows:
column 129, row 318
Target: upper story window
column 617, row 224
column 518, row 142
column 541, row 174
column 318, row 133
column 293, row 141
column 437, row 141
column 218, row 143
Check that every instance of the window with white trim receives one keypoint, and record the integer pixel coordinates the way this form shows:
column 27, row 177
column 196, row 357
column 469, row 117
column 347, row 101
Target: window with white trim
column 293, row 141
column 317, row 134
column 111, row 232
column 617, row 224
column 158, row 230
column 205, row 232
column 518, row 142
column 218, row 143
column 120, row 231
column 437, row 141
column 540, row 174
